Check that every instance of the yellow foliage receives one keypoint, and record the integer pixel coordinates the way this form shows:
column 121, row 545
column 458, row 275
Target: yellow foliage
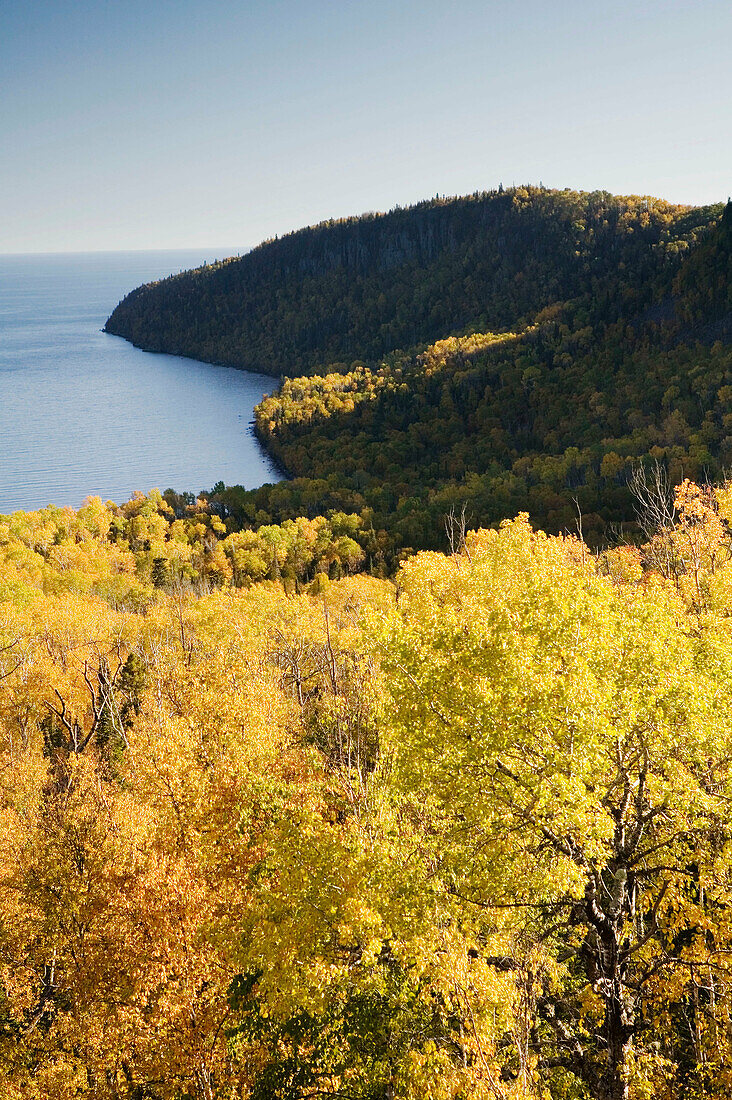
column 366, row 839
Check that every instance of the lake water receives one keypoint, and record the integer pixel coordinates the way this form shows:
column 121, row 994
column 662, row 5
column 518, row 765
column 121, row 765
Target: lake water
column 84, row 413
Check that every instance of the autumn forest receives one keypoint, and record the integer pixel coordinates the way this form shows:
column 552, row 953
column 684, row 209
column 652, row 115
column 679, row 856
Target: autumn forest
column 512, row 351
column 410, row 776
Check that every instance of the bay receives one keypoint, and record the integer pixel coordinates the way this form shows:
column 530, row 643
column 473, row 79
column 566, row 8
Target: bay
column 85, row 413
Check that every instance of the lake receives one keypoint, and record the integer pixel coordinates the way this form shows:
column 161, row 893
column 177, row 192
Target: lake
column 84, row 413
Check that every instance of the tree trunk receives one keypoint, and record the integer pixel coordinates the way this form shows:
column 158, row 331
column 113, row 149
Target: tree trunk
column 604, row 968
column 614, row 1085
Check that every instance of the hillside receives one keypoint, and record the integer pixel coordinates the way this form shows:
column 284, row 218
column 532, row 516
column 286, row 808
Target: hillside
column 363, row 287
column 513, row 351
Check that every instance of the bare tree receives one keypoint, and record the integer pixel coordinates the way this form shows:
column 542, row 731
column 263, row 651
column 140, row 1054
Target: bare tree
column 456, row 530
column 653, row 493
column 657, row 516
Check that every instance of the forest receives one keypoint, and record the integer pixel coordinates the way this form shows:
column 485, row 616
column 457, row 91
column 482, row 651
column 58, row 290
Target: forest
column 408, row 777
column 278, row 828
column 519, row 350
column 360, row 288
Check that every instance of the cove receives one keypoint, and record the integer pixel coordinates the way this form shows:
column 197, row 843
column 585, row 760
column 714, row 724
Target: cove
column 85, row 413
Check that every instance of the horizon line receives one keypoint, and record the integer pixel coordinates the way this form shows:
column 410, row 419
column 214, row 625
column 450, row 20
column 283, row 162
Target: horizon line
column 125, row 251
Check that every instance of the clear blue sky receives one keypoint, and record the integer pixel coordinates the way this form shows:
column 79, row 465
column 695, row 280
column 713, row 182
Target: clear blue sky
column 132, row 124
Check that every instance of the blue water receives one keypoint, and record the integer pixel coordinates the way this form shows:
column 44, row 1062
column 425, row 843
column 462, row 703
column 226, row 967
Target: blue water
column 83, row 413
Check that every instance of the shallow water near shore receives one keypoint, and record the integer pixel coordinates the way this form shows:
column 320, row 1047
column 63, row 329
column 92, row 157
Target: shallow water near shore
column 85, row 413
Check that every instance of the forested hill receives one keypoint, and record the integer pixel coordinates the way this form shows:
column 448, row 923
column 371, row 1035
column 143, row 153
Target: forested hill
column 359, row 288
column 519, row 351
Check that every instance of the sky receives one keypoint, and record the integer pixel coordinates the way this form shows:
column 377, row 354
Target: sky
column 153, row 124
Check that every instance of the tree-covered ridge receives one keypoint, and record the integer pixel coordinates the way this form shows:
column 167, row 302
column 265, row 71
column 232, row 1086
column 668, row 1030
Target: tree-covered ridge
column 548, row 420
column 704, row 283
column 465, row 836
column 361, row 288
column 590, row 334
